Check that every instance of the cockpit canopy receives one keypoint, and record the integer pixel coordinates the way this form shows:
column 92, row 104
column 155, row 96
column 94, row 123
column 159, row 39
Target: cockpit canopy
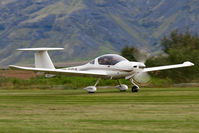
column 110, row 59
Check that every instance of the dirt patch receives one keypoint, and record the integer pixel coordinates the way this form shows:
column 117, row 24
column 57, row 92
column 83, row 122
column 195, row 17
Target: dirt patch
column 17, row 74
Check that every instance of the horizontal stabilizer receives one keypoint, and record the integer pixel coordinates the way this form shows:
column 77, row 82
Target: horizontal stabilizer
column 39, row 49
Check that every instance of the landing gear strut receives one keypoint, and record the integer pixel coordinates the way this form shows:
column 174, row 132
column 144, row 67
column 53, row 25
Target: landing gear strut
column 121, row 87
column 135, row 87
column 92, row 89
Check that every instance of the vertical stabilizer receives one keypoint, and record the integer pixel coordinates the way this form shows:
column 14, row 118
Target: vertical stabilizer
column 42, row 60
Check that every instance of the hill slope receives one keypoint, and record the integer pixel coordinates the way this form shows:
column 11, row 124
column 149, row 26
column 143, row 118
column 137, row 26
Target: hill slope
column 88, row 28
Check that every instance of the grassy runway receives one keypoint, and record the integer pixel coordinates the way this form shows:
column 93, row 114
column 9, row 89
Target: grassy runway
column 152, row 110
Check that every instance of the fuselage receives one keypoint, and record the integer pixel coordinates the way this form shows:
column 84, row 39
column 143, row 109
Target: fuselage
column 114, row 65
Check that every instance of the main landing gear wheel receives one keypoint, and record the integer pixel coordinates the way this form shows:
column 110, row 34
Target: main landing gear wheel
column 122, row 87
column 135, row 89
column 92, row 89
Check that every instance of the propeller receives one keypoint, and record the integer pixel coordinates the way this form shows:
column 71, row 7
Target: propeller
column 141, row 56
column 142, row 77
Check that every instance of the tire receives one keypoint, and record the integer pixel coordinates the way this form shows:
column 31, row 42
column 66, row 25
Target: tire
column 91, row 92
column 135, row 89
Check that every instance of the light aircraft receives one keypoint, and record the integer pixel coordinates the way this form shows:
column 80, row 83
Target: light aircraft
column 109, row 66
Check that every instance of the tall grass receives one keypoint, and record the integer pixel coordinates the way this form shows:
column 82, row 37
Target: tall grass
column 58, row 82
column 65, row 82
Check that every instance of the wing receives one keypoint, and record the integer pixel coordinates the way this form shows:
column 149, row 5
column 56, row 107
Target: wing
column 185, row 64
column 62, row 71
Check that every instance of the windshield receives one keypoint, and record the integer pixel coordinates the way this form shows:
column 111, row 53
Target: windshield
column 110, row 59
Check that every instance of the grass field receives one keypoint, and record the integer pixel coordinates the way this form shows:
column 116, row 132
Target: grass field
column 152, row 110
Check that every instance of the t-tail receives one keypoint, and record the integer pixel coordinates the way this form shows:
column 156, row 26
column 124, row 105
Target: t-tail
column 42, row 58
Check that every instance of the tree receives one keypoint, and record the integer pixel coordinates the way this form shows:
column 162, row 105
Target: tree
column 179, row 47
column 128, row 53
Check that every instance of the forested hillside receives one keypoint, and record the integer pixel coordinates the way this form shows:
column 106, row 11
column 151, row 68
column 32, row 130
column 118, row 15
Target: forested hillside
column 87, row 28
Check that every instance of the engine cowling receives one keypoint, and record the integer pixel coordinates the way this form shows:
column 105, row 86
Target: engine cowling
column 91, row 89
column 122, row 87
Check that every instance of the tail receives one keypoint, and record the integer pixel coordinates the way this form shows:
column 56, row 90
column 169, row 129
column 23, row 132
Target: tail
column 42, row 59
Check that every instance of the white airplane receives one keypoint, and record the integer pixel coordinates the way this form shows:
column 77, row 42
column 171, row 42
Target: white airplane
column 109, row 66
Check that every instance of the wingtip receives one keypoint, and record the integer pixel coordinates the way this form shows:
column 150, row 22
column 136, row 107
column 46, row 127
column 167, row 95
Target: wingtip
column 11, row 65
column 188, row 63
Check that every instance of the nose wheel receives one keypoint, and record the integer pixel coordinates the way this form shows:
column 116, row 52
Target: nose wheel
column 135, row 87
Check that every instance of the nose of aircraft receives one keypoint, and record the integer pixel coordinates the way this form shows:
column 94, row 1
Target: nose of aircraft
column 129, row 66
column 126, row 65
column 141, row 65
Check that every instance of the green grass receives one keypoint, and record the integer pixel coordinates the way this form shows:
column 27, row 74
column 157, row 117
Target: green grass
column 152, row 110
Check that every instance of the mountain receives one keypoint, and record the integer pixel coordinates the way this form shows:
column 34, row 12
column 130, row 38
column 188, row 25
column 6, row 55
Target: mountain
column 88, row 28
